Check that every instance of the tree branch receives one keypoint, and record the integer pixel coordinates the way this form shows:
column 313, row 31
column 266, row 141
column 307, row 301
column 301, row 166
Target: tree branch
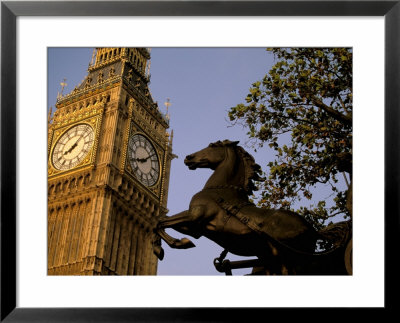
column 347, row 119
column 277, row 116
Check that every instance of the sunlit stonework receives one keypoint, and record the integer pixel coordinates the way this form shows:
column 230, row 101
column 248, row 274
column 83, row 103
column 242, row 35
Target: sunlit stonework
column 109, row 156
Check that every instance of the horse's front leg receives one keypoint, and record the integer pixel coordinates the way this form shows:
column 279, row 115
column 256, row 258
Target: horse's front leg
column 179, row 219
column 182, row 222
column 166, row 222
column 183, row 243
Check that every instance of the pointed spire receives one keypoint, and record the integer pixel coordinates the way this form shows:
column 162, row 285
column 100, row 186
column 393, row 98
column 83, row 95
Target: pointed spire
column 171, row 137
column 167, row 104
column 63, row 85
column 147, row 74
column 93, row 56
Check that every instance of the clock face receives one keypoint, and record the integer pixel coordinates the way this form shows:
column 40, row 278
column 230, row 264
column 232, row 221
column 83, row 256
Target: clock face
column 72, row 147
column 144, row 160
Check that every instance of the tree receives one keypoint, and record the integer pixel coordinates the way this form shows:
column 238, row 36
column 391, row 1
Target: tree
column 303, row 110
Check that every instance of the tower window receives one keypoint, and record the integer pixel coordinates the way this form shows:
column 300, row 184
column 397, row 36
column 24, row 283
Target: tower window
column 127, row 100
column 72, row 183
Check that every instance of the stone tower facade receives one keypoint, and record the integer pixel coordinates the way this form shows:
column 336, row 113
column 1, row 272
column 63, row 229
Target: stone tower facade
column 109, row 157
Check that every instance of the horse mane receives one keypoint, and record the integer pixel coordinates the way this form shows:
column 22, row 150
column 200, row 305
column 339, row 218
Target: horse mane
column 251, row 168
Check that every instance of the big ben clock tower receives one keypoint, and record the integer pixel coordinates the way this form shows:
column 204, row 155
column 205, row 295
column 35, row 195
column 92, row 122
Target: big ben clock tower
column 109, row 156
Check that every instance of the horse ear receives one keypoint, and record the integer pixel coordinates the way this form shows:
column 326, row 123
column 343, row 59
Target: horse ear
column 220, row 143
column 227, row 142
column 215, row 144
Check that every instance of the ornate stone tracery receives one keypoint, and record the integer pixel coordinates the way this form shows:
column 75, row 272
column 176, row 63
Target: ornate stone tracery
column 100, row 217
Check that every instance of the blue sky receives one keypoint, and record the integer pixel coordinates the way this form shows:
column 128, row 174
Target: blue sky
column 202, row 84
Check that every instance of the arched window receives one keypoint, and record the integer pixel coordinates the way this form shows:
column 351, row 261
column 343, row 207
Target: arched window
column 72, row 183
column 86, row 179
column 65, row 185
column 80, row 181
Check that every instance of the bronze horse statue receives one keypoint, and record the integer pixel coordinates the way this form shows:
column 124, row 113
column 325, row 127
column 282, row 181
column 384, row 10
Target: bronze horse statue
column 283, row 241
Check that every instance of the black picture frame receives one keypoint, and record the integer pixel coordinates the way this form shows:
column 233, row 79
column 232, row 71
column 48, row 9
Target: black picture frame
column 10, row 10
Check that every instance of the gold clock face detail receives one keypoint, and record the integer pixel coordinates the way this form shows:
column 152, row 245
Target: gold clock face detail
column 72, row 147
column 143, row 159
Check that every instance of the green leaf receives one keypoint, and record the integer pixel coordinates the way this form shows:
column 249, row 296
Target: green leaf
column 279, row 112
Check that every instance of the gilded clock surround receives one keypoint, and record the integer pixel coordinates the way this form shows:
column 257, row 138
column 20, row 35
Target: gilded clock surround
column 100, row 217
column 94, row 122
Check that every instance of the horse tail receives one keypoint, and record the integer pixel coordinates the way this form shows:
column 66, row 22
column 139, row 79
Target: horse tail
column 337, row 234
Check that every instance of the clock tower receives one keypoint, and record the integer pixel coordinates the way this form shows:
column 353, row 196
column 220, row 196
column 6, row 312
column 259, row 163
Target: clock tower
column 109, row 156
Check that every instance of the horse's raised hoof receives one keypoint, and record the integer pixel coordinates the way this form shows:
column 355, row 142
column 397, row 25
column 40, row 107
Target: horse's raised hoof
column 184, row 243
column 159, row 252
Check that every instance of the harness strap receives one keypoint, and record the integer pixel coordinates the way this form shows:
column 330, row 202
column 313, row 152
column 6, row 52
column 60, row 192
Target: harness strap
column 235, row 211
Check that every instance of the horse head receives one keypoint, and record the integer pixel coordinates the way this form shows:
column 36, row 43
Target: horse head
column 209, row 157
column 234, row 165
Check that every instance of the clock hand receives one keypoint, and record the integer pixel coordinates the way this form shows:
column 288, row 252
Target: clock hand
column 76, row 144
column 149, row 156
column 143, row 160
column 69, row 150
column 73, row 146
